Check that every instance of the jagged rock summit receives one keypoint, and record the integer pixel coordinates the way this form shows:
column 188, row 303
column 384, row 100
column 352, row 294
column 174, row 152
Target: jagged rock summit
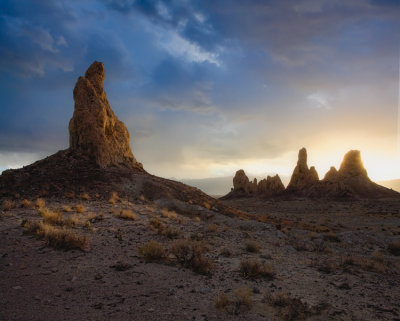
column 94, row 130
column 242, row 186
column 302, row 176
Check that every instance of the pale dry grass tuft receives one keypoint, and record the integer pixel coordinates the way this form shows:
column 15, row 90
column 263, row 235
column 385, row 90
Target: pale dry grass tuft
column 27, row 204
column 113, row 198
column 125, row 214
column 152, row 251
column 169, row 214
column 8, row 205
column 40, row 202
column 80, row 208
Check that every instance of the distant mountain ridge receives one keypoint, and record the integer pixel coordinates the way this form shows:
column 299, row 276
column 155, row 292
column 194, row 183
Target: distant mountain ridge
column 392, row 183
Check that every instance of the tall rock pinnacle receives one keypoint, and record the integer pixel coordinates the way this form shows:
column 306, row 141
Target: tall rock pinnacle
column 94, row 129
column 302, row 176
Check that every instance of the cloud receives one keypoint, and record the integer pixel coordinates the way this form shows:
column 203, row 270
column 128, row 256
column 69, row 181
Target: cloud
column 320, row 100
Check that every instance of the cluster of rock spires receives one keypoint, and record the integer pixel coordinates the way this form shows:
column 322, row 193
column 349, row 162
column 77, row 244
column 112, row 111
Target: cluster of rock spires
column 267, row 187
column 350, row 181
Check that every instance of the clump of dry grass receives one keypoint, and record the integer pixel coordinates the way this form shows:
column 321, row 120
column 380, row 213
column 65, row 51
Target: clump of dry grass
column 56, row 237
column 156, row 225
column 253, row 268
column 67, row 208
column 171, row 232
column 7, row 205
column 240, row 302
column 152, row 251
column 207, row 205
column 192, row 255
column 252, row 246
column 51, row 217
column 70, row 195
column 40, row 202
column 125, row 214
column 27, row 204
column 331, row 237
column 169, row 214
column 84, row 196
column 80, row 208
column 113, row 198
column 197, row 219
column 212, row 228
column 290, row 308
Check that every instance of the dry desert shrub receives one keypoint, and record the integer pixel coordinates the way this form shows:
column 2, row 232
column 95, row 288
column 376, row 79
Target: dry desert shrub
column 84, row 196
column 191, row 254
column 253, row 268
column 80, row 208
column 212, row 228
column 7, row 205
column 331, row 237
column 27, row 204
column 290, row 308
column 207, row 205
column 169, row 214
column 40, row 202
column 171, row 232
column 156, row 225
column 125, row 214
column 56, row 237
column 51, row 217
column 67, row 208
column 372, row 266
column 252, row 246
column 113, row 198
column 152, row 251
column 70, row 195
column 240, row 302
column 197, row 219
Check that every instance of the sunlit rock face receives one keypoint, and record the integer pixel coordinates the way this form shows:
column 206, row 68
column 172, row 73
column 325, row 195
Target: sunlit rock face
column 241, row 182
column 270, row 186
column 302, row 176
column 352, row 165
column 94, row 129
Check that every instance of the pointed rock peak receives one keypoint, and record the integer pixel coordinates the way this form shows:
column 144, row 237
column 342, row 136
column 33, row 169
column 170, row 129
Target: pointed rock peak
column 94, row 129
column 241, row 182
column 331, row 175
column 302, row 159
column 352, row 164
column 96, row 75
column 314, row 173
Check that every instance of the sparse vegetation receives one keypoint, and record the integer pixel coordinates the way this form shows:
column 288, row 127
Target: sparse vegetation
column 40, row 202
column 7, row 205
column 252, row 246
column 192, row 254
column 152, row 251
column 80, row 208
column 51, row 217
column 67, row 208
column 70, row 195
column 241, row 301
column 125, row 214
column 253, row 268
column 212, row 228
column 169, row 214
column 171, row 232
column 56, row 237
column 290, row 308
column 27, row 204
column 156, row 225
column 113, row 198
column 84, row 196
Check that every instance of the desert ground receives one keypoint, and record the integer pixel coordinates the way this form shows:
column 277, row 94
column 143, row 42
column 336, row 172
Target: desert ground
column 135, row 259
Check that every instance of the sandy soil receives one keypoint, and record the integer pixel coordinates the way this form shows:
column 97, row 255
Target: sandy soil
column 327, row 261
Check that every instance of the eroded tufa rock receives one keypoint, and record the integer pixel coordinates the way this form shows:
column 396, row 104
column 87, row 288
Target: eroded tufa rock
column 302, row 176
column 270, row 186
column 94, row 129
column 352, row 165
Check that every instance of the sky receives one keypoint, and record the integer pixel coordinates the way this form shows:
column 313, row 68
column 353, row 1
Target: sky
column 206, row 87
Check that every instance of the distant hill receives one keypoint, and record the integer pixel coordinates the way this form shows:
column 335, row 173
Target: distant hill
column 393, row 184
